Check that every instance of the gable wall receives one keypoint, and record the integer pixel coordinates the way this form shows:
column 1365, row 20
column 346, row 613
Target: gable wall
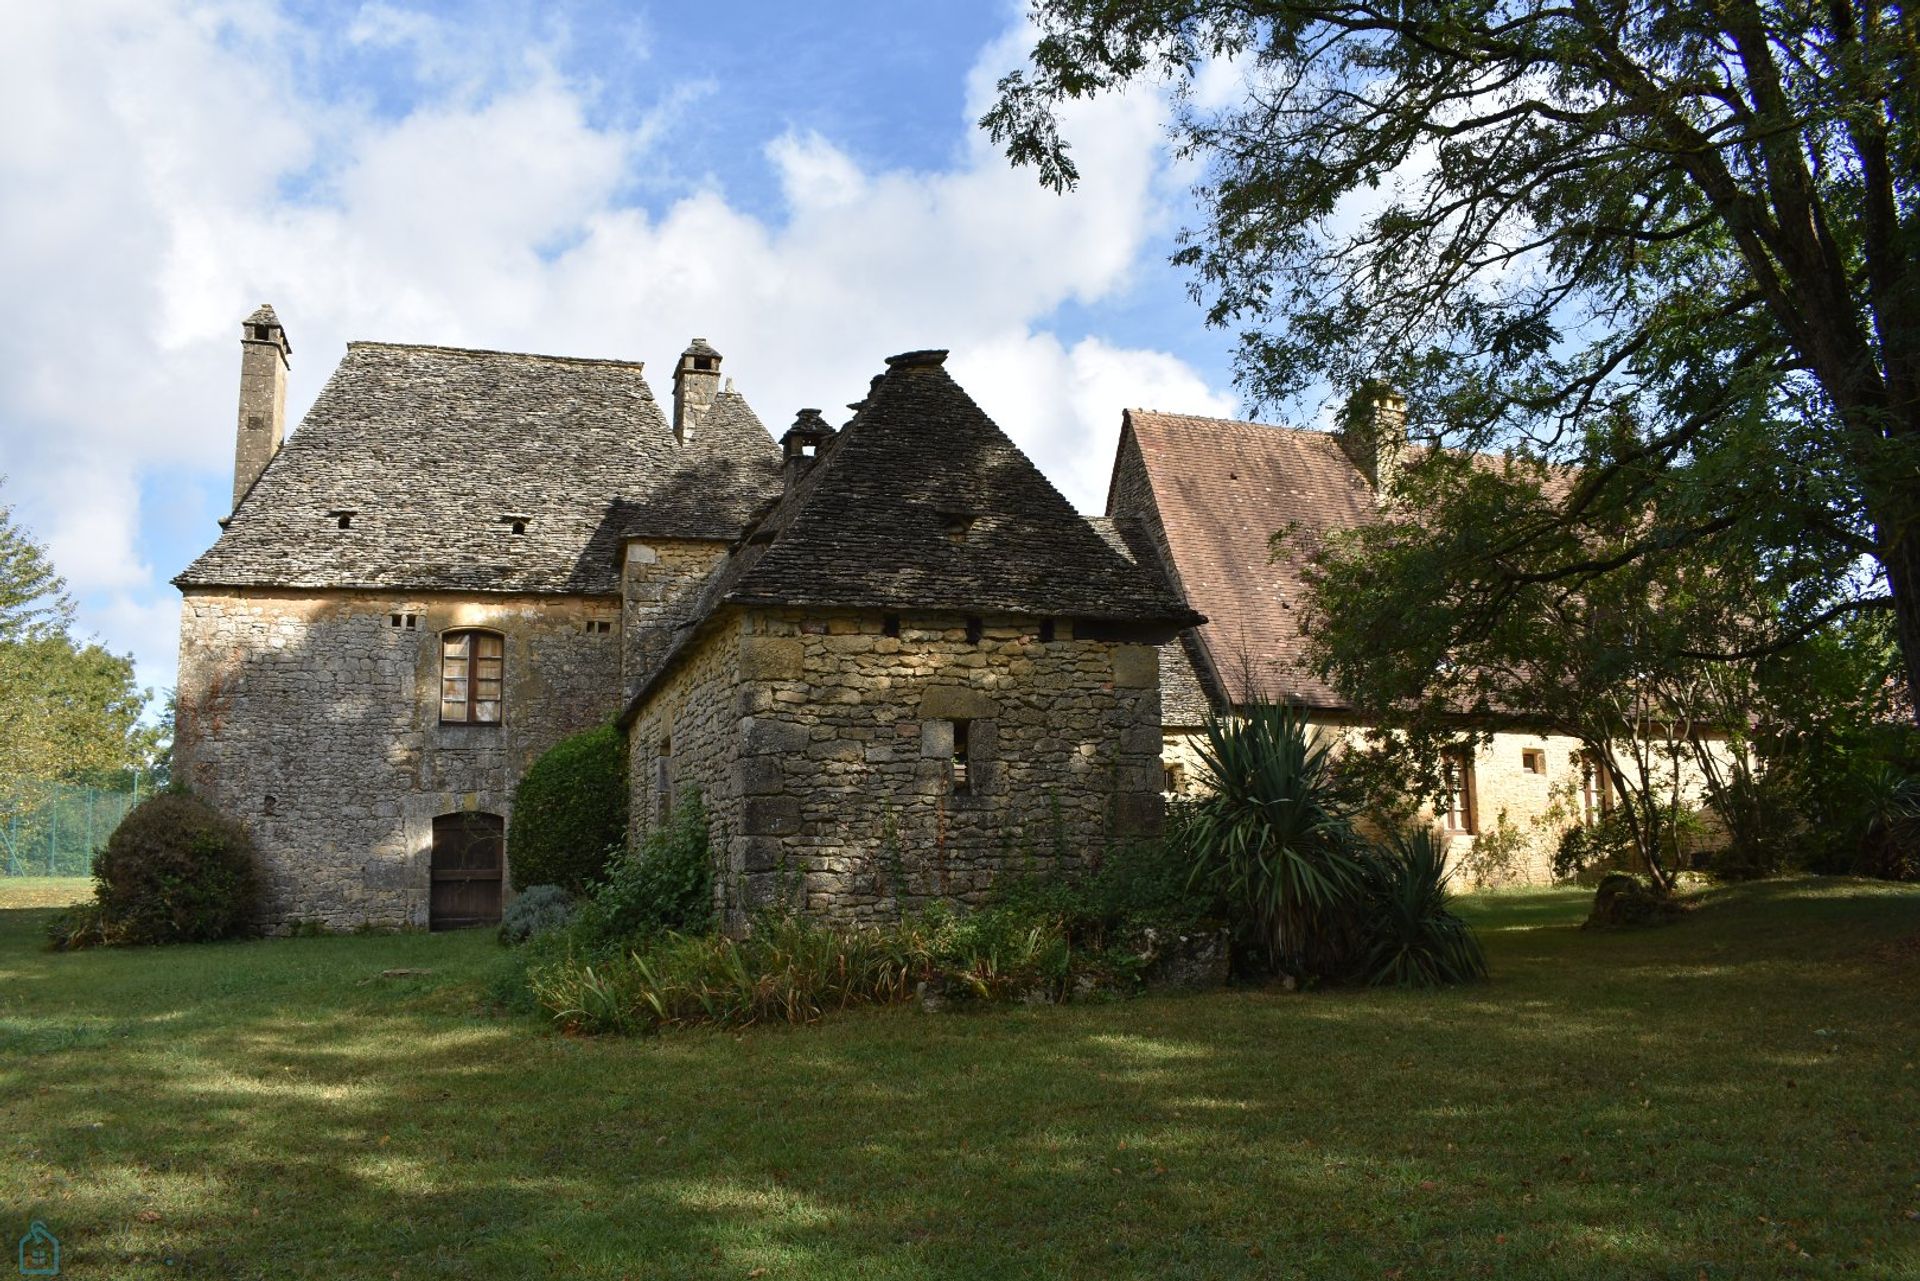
column 316, row 701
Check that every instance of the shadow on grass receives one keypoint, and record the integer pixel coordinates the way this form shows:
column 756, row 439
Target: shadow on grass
column 278, row 1110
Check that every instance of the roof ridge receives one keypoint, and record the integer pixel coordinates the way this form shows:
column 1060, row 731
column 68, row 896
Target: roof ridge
column 494, row 351
column 1230, row 422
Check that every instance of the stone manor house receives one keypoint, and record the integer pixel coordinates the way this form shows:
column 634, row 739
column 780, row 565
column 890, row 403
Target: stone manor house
column 892, row 659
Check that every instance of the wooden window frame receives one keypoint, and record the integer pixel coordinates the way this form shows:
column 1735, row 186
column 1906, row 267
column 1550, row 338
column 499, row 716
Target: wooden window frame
column 1458, row 818
column 469, row 699
column 1597, row 789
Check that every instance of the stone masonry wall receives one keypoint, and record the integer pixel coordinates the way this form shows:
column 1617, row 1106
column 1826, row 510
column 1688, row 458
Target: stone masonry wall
column 659, row 582
column 843, row 756
column 314, row 721
column 686, row 736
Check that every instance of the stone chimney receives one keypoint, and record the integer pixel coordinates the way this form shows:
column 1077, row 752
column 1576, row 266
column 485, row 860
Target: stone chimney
column 696, row 381
column 263, row 397
column 1373, row 434
column 801, row 446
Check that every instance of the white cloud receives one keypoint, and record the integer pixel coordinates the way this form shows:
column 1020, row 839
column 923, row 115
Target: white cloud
column 176, row 175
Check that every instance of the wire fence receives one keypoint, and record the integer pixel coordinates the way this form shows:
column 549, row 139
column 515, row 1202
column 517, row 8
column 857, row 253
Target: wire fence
column 55, row 830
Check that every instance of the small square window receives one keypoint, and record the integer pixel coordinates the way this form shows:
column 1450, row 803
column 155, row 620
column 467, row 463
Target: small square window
column 1533, row 760
column 597, row 627
column 404, row 622
column 1046, row 631
column 890, row 625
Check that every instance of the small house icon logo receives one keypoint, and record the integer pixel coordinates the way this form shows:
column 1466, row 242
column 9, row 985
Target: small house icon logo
column 39, row 1252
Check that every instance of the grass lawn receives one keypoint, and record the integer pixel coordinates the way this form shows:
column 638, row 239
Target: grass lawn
column 1733, row 1096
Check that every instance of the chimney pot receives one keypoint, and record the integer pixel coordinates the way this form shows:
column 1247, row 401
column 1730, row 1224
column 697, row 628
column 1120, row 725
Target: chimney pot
column 696, row 381
column 1373, row 433
column 264, row 356
column 803, row 443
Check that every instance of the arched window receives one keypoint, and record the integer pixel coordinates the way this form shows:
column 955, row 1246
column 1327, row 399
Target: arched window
column 473, row 670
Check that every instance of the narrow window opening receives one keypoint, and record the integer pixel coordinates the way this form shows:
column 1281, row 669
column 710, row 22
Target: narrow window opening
column 597, row 627
column 403, row 622
column 519, row 526
column 663, row 778
column 962, row 771
column 1458, row 777
column 1533, row 760
column 974, row 630
column 890, row 625
column 270, row 804
column 346, row 520
column 1176, row 780
column 1046, row 631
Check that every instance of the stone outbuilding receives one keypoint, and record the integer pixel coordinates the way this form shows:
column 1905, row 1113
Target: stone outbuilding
column 919, row 673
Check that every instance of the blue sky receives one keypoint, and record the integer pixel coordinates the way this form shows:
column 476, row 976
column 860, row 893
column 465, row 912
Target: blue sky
column 802, row 184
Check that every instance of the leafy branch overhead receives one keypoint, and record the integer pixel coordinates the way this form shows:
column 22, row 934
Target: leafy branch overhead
column 1676, row 247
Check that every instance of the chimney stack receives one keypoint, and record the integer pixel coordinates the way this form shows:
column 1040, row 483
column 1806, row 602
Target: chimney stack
column 800, row 447
column 264, row 353
column 1373, row 433
column 696, row 381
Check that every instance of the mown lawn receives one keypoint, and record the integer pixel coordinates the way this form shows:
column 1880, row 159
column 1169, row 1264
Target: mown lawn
column 1733, row 1096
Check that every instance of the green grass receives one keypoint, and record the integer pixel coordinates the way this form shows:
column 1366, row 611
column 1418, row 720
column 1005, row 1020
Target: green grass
column 1736, row 1095
column 44, row 891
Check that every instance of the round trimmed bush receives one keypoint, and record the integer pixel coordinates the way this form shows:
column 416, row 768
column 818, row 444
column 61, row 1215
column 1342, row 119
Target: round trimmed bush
column 177, row 871
column 570, row 812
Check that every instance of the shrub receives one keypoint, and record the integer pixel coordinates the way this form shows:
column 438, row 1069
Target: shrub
column 1889, row 840
column 536, row 911
column 1588, row 851
column 1275, row 843
column 176, row 871
column 1412, row 937
column 570, row 812
column 667, row 884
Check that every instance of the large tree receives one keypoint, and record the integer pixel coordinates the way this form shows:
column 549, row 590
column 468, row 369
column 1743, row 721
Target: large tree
column 1675, row 247
column 68, row 708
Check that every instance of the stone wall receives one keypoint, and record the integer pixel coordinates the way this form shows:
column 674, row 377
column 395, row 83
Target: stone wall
column 659, row 583
column 842, row 757
column 687, row 735
column 314, row 721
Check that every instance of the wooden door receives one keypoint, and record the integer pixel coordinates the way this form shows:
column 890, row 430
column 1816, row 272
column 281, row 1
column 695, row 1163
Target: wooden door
column 467, row 850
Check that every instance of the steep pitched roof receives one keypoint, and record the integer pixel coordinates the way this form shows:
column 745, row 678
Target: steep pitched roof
column 434, row 449
column 922, row 502
column 1221, row 489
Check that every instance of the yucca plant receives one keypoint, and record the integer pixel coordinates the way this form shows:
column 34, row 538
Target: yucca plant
column 1413, row 939
column 1273, row 840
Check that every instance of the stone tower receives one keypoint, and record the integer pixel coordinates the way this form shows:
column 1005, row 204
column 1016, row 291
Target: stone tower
column 696, row 381
column 264, row 351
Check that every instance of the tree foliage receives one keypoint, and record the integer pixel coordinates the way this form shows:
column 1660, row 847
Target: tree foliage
column 570, row 812
column 68, row 708
column 1673, row 246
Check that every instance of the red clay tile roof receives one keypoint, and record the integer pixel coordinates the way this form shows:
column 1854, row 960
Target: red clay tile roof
column 1219, row 491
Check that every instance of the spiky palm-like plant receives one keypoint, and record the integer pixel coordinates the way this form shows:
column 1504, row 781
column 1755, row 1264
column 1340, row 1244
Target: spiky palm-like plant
column 1413, row 939
column 1274, row 841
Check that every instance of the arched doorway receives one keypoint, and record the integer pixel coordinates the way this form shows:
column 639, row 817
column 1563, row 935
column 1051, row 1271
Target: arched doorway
column 467, row 856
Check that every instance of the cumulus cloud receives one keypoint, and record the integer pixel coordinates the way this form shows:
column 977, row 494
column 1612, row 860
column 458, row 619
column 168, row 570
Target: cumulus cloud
column 182, row 167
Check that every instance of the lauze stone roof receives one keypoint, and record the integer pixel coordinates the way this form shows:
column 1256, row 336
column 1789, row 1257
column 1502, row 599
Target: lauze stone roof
column 436, row 451
column 922, row 502
column 1220, row 490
